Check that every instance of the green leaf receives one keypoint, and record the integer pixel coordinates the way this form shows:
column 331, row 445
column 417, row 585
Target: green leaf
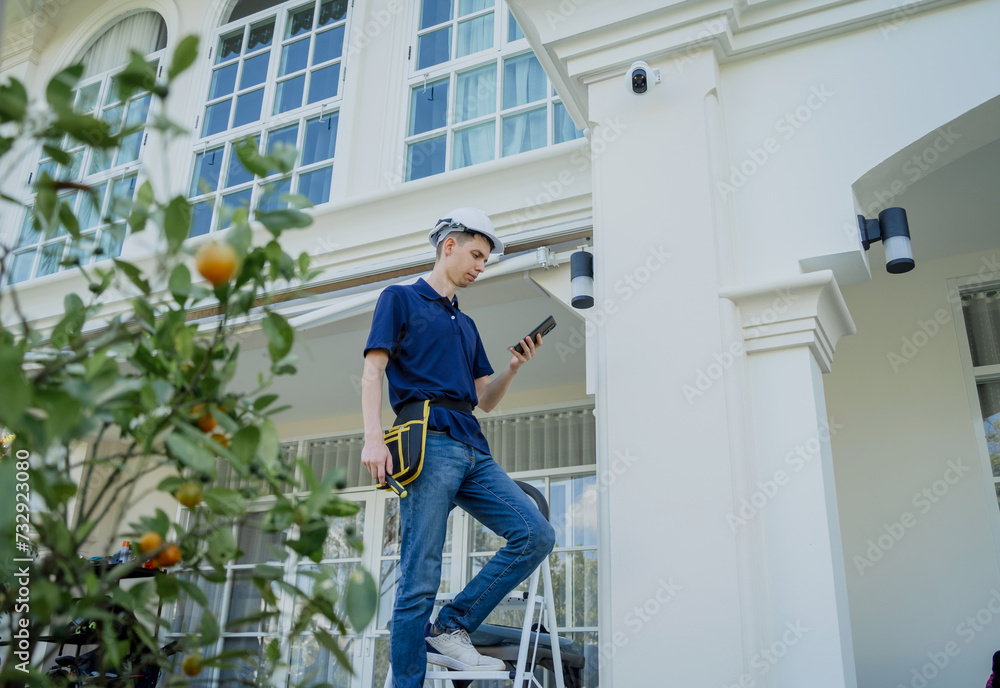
column 191, row 454
column 13, row 101
column 180, row 283
column 284, row 218
column 167, row 588
column 144, row 196
column 222, row 545
column 361, row 597
column 331, row 644
column 170, row 484
column 244, row 443
column 87, row 129
column 264, row 401
column 57, row 154
column 67, row 330
column 273, row 651
column 239, row 238
column 134, row 275
column 138, row 75
column 193, row 591
column 225, row 501
column 184, row 56
column 208, row 631
column 59, row 92
column 280, row 335
column 251, row 159
column 177, row 222
column 69, row 220
column 184, row 343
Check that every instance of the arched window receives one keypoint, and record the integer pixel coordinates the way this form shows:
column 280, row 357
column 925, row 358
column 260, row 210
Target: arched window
column 276, row 73
column 477, row 92
column 112, row 173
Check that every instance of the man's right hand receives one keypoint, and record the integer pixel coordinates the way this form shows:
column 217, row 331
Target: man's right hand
column 377, row 459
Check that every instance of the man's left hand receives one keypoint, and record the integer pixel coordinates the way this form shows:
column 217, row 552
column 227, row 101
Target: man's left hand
column 530, row 347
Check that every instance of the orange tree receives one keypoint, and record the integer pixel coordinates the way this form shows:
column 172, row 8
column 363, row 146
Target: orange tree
column 147, row 390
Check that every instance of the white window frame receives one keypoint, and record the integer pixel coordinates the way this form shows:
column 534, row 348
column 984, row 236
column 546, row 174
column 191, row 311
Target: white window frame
column 984, row 281
column 450, row 69
column 267, row 123
column 112, row 176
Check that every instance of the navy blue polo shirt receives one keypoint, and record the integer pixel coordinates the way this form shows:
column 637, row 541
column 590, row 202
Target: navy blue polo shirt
column 434, row 351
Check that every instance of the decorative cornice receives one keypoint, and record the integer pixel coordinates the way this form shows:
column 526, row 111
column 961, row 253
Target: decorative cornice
column 579, row 42
column 25, row 39
column 805, row 310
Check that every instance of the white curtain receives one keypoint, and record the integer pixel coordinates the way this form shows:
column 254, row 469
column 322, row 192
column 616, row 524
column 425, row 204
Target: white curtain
column 476, row 94
column 475, row 35
column 474, row 145
column 144, row 32
column 339, row 452
column 524, row 82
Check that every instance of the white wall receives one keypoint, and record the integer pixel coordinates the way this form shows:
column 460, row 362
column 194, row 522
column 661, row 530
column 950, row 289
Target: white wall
column 901, row 426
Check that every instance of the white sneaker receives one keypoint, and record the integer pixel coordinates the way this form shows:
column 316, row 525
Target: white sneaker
column 455, row 651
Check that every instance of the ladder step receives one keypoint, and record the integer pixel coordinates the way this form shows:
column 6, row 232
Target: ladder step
column 470, row 675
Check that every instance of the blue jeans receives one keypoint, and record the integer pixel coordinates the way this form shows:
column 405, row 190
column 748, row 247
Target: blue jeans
column 456, row 474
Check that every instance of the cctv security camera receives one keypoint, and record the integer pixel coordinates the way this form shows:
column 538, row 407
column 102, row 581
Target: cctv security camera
column 640, row 78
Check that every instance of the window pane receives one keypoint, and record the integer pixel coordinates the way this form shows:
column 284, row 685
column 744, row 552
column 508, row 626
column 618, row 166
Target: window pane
column 513, row 30
column 285, row 136
column 99, row 161
column 425, row 158
column 469, row 6
column 29, row 235
column 236, row 173
column 476, row 93
column 248, row 107
column 329, row 45
column 474, row 145
column 311, row 664
column 230, row 45
column 246, row 672
column 201, row 218
column 245, row 601
column 110, row 243
column 90, row 207
column 20, row 270
column 86, row 98
column 982, row 322
column 49, row 261
column 321, row 139
column 475, row 35
column 434, row 12
column 564, row 128
column 524, row 81
column 187, row 615
column 260, row 35
column 216, row 118
column 332, row 11
column 254, row 70
column 272, row 192
column 524, row 132
column 257, row 545
column 294, row 57
column 289, row 94
column 323, row 83
column 207, row 166
column 299, row 21
column 231, row 202
column 223, row 81
column 429, row 107
column 50, row 167
column 129, row 150
column 113, row 116
column 75, row 163
column 316, row 185
column 989, row 402
column 82, row 250
column 434, row 48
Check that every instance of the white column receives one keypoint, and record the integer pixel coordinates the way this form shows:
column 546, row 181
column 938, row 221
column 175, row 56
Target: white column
column 789, row 508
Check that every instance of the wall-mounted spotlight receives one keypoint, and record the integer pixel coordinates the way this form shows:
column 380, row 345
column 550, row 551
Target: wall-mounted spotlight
column 581, row 270
column 892, row 229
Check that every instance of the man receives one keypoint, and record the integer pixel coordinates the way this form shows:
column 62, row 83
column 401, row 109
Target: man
column 429, row 349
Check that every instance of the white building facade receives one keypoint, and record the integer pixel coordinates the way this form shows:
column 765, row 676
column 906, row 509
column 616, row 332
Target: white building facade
column 771, row 463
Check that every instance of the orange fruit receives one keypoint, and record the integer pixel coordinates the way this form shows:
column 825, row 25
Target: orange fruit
column 216, row 262
column 221, row 439
column 207, row 423
column 189, row 494
column 170, row 555
column 150, row 541
column 192, row 665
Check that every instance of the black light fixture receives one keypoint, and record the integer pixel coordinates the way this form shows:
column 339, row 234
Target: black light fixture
column 892, row 229
column 581, row 270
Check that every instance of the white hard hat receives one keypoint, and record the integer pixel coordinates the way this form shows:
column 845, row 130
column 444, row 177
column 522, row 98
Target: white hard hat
column 466, row 220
